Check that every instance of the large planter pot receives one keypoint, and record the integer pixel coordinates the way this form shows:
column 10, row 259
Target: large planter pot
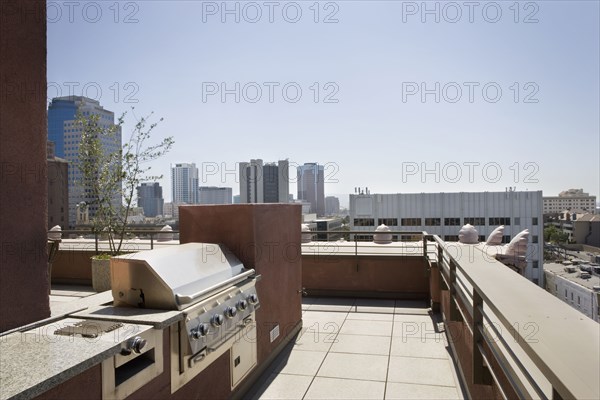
column 100, row 274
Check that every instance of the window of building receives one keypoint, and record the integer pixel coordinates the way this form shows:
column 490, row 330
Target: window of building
column 495, row 221
column 534, row 239
column 565, row 292
column 482, row 238
column 452, row 221
column 451, row 238
column 364, row 222
column 578, row 300
column 475, row 221
column 536, row 281
column 517, row 220
column 534, row 221
column 506, row 239
column 535, row 264
column 388, row 221
column 411, row 221
column 571, row 295
column 433, row 221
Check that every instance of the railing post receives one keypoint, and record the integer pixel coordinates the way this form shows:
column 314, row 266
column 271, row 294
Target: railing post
column 454, row 313
column 356, row 252
column 440, row 263
column 151, row 240
column 481, row 373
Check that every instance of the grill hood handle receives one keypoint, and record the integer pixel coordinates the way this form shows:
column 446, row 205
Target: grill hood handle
column 184, row 299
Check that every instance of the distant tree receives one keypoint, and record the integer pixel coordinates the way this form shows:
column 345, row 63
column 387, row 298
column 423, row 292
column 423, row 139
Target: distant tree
column 554, row 235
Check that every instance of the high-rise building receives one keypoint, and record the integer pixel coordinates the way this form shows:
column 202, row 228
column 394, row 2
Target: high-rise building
column 264, row 183
column 150, row 198
column 332, row 205
column 311, row 186
column 66, row 135
column 58, row 189
column 214, row 195
column 444, row 214
column 184, row 183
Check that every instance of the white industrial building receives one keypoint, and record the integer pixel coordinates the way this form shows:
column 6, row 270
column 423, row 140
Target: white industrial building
column 576, row 287
column 443, row 214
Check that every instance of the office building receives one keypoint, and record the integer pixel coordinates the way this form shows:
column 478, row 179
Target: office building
column 311, row 186
column 66, row 135
column 570, row 200
column 443, row 214
column 214, row 195
column 264, row 182
column 150, row 199
column 58, row 189
column 332, row 205
column 184, row 183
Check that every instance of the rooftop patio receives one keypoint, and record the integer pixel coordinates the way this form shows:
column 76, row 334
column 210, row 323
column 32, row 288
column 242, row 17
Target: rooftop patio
column 349, row 349
column 364, row 349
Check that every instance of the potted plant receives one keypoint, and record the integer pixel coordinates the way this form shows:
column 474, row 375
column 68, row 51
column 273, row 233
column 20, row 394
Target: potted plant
column 108, row 180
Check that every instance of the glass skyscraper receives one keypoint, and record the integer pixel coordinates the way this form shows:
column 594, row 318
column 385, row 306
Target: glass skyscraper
column 66, row 135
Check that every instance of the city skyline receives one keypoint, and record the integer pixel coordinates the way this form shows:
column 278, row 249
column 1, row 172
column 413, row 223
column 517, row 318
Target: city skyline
column 376, row 110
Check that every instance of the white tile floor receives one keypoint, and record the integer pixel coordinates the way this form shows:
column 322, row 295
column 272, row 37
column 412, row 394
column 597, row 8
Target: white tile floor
column 364, row 349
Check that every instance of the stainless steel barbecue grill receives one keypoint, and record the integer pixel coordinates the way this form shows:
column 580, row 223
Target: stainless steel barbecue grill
column 215, row 292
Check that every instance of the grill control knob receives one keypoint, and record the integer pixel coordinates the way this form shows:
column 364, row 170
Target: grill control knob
column 200, row 331
column 242, row 305
column 230, row 312
column 253, row 298
column 135, row 344
column 217, row 320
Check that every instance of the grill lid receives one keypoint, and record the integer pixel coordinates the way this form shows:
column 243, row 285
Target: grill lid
column 174, row 277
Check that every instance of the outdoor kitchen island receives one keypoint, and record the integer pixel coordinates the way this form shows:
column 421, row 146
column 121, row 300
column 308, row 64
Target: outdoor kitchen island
column 213, row 341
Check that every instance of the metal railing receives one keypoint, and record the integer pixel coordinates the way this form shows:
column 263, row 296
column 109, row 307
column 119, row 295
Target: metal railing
column 532, row 365
column 143, row 234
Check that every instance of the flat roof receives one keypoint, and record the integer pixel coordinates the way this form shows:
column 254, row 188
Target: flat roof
column 559, row 269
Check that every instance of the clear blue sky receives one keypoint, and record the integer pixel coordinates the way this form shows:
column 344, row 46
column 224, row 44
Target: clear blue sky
column 372, row 124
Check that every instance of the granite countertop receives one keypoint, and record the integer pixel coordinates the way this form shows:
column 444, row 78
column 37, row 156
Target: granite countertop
column 36, row 360
column 159, row 319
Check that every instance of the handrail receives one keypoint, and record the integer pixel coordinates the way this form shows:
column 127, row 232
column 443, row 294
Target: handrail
column 490, row 289
column 97, row 235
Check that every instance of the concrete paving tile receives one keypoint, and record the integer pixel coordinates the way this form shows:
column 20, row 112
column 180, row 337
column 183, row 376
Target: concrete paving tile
column 301, row 363
column 284, row 387
column 414, row 347
column 374, row 306
column 403, row 391
column 357, row 344
column 354, row 366
column 367, row 316
column 423, row 371
column 368, row 328
column 332, row 304
column 332, row 388
column 416, row 326
column 325, row 322
column 411, row 307
column 314, row 341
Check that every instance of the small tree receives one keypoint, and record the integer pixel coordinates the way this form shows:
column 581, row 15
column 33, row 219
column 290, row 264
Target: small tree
column 109, row 179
